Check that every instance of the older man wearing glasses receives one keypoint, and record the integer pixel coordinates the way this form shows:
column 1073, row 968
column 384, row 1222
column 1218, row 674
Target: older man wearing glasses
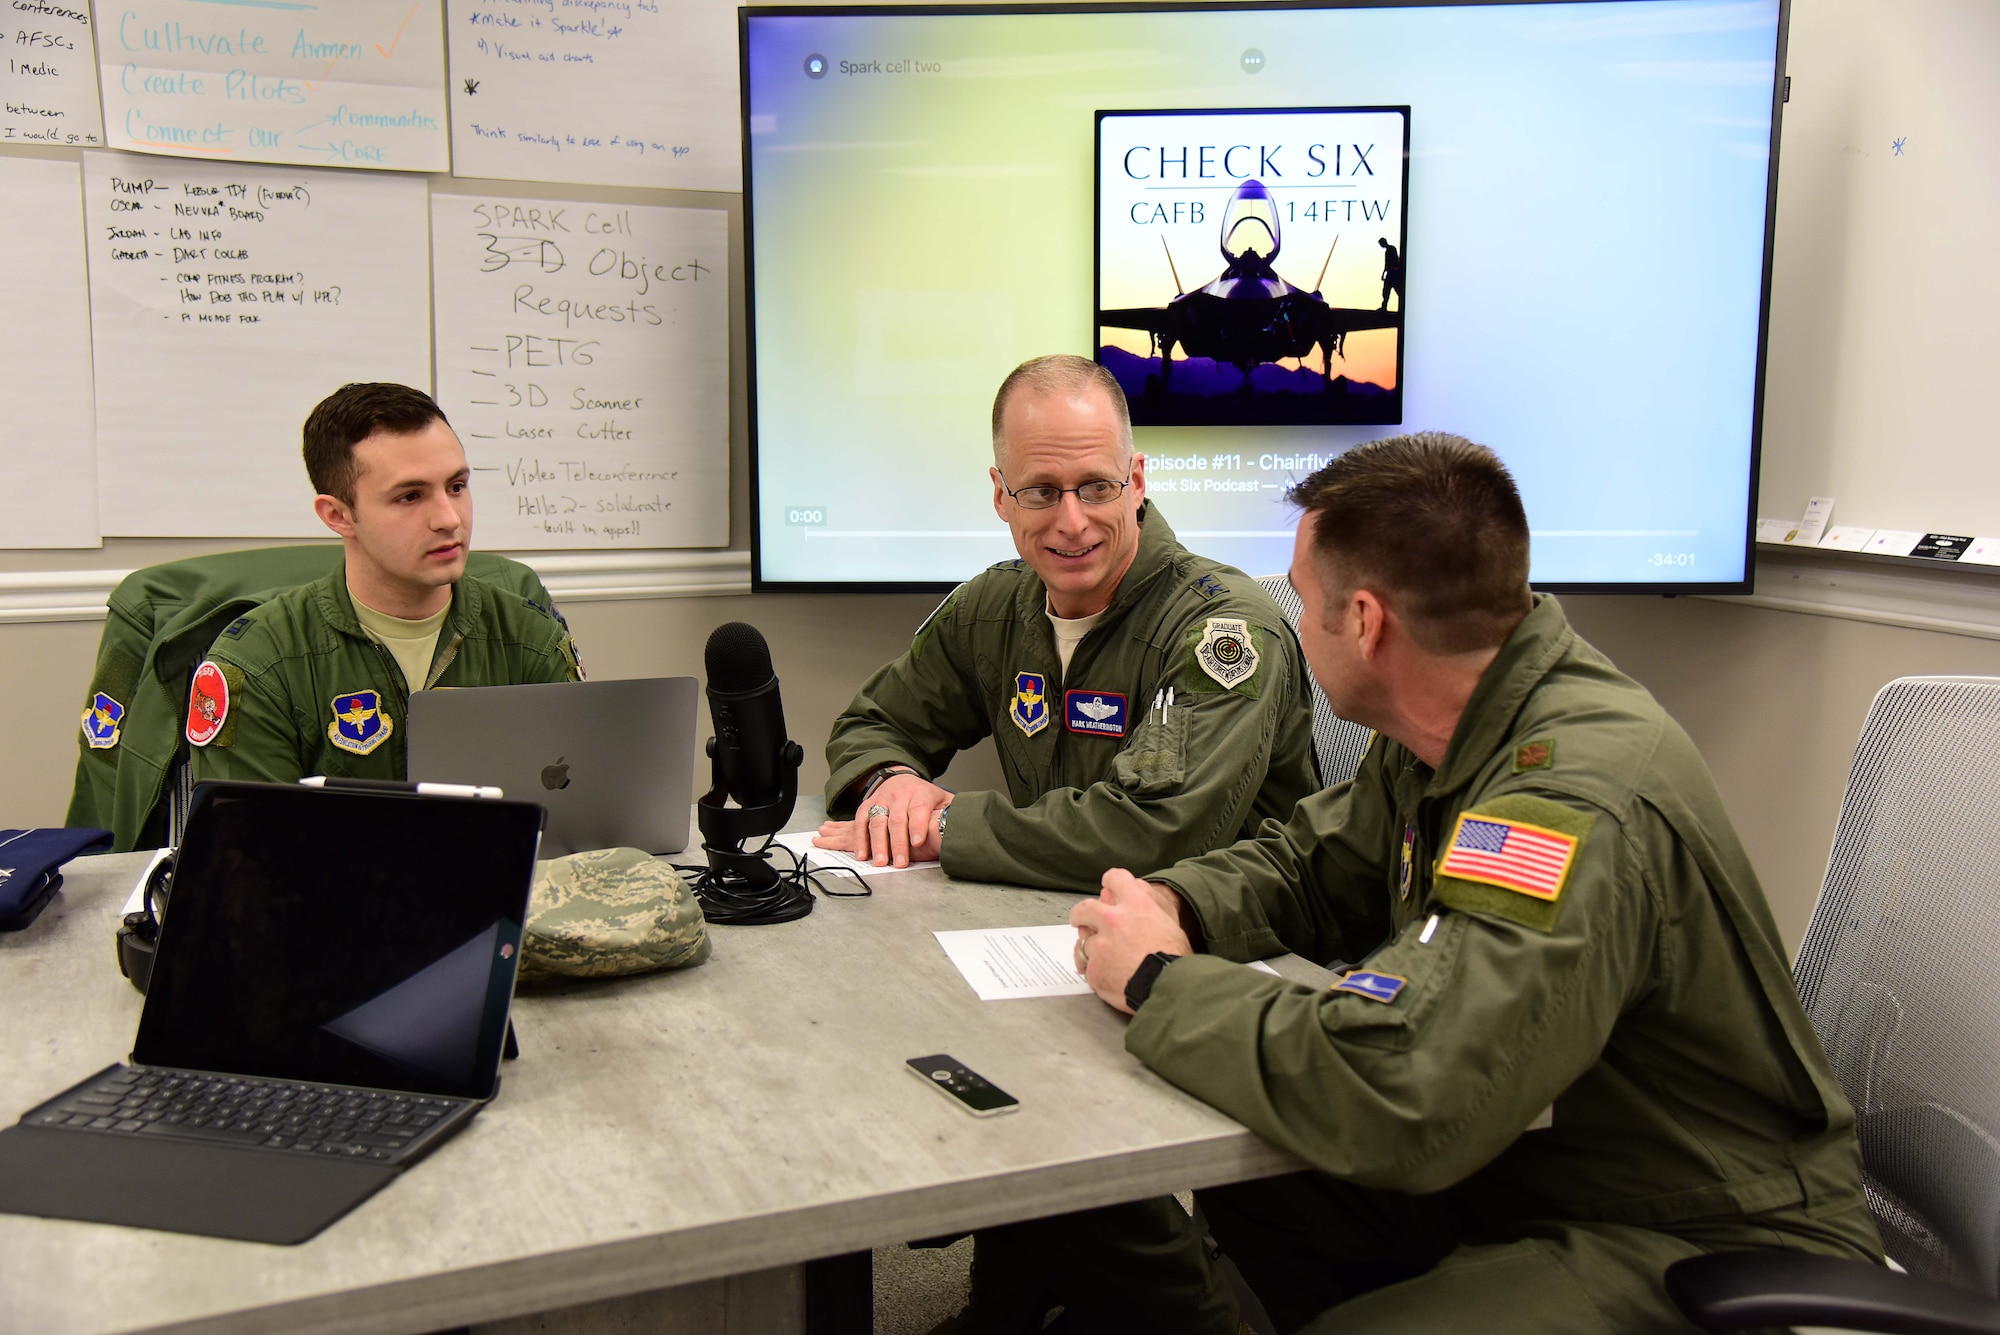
column 1147, row 704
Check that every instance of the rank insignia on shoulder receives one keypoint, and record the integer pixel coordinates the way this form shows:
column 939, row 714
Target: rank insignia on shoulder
column 1376, row 986
column 1030, row 706
column 1227, row 652
column 1514, row 855
column 100, row 722
column 234, row 630
column 1534, row 755
column 208, row 704
column 1099, row 713
column 1208, row 586
column 359, row 725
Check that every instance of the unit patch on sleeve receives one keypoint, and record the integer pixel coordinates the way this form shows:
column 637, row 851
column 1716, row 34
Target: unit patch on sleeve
column 100, row 722
column 1030, row 706
column 359, row 725
column 1376, row 986
column 208, row 704
column 1100, row 713
column 1225, row 649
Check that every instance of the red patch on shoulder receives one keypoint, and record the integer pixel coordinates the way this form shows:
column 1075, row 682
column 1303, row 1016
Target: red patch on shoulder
column 208, row 704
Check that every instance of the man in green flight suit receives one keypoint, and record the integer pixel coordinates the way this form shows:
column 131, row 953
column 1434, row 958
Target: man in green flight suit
column 317, row 680
column 1571, row 1054
column 1065, row 656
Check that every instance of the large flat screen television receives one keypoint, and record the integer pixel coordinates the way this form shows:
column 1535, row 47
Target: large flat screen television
column 1286, row 229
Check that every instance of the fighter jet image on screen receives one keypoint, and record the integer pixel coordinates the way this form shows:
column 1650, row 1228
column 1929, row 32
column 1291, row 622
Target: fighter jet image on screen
column 1251, row 316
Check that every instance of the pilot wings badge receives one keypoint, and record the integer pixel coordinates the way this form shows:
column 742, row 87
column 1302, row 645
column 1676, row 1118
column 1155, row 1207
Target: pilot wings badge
column 1030, row 706
column 1227, row 652
column 359, row 725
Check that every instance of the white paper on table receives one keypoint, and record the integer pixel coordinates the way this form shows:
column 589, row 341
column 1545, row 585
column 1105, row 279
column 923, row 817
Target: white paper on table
column 583, row 356
column 48, row 433
column 48, row 88
column 1893, row 542
column 1775, row 530
column 832, row 859
column 644, row 95
column 1015, row 963
column 137, row 899
column 1819, row 512
column 1846, row 538
column 1982, row 552
column 226, row 301
column 357, row 84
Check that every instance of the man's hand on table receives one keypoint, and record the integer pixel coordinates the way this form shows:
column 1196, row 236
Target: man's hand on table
column 906, row 833
column 1130, row 920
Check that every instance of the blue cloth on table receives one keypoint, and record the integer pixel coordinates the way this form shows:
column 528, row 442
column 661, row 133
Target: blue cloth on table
column 29, row 868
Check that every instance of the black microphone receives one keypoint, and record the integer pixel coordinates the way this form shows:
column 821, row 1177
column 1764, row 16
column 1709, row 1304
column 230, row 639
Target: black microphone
column 749, row 716
column 753, row 762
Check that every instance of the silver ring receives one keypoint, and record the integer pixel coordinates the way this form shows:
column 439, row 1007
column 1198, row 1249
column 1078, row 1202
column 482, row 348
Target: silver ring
column 1082, row 951
column 877, row 810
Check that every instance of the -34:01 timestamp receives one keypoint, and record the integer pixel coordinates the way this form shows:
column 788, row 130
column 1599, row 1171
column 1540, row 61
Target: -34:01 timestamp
column 1670, row 559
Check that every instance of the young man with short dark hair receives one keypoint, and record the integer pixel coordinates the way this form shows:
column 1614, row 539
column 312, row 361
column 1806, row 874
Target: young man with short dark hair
column 317, row 681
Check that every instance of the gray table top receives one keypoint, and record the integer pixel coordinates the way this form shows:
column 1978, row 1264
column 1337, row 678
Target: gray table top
column 748, row 1113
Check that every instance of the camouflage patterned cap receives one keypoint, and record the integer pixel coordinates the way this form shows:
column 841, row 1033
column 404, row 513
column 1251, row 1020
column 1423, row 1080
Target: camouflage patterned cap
column 608, row 912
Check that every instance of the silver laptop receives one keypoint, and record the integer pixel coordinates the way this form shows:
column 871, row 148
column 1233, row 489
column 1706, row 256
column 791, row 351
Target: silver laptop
column 613, row 761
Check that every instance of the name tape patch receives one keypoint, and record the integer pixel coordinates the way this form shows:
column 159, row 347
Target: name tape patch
column 1100, row 713
column 1514, row 855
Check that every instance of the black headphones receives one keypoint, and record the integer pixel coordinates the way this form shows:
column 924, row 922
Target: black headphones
column 140, row 935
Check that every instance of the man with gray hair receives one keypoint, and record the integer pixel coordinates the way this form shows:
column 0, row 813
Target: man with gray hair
column 1066, row 657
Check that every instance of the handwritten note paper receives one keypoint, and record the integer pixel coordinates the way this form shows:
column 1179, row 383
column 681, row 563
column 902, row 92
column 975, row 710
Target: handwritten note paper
column 582, row 353
column 48, row 90
column 357, row 84
column 226, row 300
column 48, row 461
column 605, row 93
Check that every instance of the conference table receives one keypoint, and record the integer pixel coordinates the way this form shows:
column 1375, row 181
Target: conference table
column 696, row 1135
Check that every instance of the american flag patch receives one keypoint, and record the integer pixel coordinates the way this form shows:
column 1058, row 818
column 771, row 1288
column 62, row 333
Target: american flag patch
column 1510, row 854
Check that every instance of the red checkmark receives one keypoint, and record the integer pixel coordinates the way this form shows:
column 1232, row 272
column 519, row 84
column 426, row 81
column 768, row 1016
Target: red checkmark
column 397, row 40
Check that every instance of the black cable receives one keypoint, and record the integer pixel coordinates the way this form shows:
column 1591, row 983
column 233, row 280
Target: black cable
column 727, row 898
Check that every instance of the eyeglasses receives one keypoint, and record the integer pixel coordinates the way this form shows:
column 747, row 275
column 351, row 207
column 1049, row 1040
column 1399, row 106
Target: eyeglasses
column 1102, row 491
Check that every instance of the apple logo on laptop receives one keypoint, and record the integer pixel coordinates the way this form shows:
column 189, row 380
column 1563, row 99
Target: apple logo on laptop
column 555, row 776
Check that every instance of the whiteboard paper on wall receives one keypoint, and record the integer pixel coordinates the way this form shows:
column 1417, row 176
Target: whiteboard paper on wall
column 643, row 94
column 357, row 84
column 49, row 87
column 48, row 458
column 583, row 356
column 226, row 300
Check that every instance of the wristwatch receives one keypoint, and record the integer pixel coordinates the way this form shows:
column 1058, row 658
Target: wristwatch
column 1140, row 985
column 944, row 813
column 881, row 776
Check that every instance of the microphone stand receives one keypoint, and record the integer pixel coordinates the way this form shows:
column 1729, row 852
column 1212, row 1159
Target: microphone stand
column 725, row 828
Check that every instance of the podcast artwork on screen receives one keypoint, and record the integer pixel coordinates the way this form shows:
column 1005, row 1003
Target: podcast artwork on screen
column 1250, row 264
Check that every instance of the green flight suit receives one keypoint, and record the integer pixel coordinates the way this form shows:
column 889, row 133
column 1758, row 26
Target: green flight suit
column 1648, row 1001
column 1125, row 788
column 310, row 693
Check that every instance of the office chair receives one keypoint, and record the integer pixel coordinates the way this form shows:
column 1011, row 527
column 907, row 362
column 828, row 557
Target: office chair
column 1897, row 973
column 1337, row 744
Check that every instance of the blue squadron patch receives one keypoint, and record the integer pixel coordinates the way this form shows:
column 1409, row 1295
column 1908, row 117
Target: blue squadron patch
column 1382, row 987
column 359, row 725
column 101, row 720
column 1099, row 713
column 1030, row 706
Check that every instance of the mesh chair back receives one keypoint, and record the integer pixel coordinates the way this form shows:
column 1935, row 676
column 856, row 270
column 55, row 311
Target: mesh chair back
column 1337, row 744
column 1898, row 971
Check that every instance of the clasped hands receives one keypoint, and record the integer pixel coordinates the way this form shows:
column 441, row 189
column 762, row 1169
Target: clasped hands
column 906, row 832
